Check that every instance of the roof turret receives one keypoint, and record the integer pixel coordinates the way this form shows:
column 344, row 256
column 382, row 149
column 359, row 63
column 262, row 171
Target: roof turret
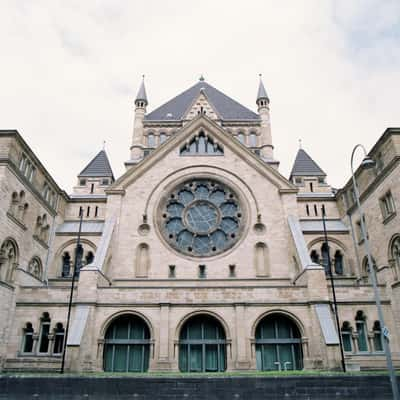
column 98, row 167
column 304, row 165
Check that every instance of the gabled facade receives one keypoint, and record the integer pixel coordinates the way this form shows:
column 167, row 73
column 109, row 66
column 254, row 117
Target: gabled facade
column 201, row 257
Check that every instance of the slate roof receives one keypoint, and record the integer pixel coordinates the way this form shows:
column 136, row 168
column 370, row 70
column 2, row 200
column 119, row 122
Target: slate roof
column 304, row 165
column 227, row 108
column 98, row 167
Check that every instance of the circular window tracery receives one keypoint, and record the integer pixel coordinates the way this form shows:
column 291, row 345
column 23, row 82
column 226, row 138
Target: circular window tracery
column 201, row 217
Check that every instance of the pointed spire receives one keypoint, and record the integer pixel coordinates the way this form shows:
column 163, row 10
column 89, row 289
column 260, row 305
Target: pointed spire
column 304, row 165
column 262, row 93
column 98, row 167
column 201, row 79
column 142, row 96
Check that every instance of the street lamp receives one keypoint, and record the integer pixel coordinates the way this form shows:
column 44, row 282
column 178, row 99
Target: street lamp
column 368, row 163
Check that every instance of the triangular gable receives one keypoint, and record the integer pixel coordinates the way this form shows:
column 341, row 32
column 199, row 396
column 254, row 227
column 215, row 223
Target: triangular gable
column 201, row 105
column 226, row 140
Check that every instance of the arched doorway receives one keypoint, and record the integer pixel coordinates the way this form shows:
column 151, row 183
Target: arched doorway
column 202, row 345
column 127, row 345
column 278, row 344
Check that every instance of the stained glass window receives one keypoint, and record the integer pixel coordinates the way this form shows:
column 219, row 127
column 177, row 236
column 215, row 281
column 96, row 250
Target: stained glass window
column 202, row 217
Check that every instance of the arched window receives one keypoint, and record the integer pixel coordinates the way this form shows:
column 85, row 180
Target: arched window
column 201, row 144
column 202, row 345
column 338, row 262
column 378, row 338
column 44, row 333
column 314, row 256
column 395, row 251
column 127, row 345
column 253, row 140
column 8, row 260
column 59, row 333
column 151, row 140
column 361, row 329
column 66, row 265
column 27, row 343
column 325, row 258
column 278, row 344
column 346, row 336
column 35, row 267
column 163, row 137
column 240, row 136
column 89, row 257
column 79, row 258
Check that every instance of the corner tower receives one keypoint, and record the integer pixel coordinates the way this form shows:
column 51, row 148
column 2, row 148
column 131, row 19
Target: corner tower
column 137, row 137
column 263, row 110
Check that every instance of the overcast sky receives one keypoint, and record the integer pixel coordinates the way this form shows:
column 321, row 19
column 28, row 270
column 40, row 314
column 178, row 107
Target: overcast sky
column 70, row 70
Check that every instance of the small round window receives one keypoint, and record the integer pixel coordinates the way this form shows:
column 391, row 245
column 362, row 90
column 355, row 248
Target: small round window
column 201, row 217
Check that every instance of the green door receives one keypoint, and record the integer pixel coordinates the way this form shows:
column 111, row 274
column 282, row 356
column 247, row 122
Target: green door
column 127, row 345
column 202, row 345
column 278, row 344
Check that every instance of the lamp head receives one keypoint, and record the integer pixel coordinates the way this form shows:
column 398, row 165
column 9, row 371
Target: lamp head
column 368, row 163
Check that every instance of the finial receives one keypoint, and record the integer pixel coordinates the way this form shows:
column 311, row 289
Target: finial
column 260, row 75
column 201, row 78
column 104, row 144
column 143, row 77
column 300, row 144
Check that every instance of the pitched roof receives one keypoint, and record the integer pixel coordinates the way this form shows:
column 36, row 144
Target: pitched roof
column 262, row 93
column 226, row 107
column 98, row 167
column 304, row 165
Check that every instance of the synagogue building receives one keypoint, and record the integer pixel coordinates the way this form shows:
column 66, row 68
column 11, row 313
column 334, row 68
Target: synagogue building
column 202, row 256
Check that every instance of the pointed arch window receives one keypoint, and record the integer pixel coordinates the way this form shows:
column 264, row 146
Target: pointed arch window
column 44, row 340
column 8, row 260
column 35, row 267
column 338, row 261
column 325, row 257
column 202, row 144
column 27, row 345
column 314, row 257
column 377, row 338
column 66, row 265
column 395, row 250
column 346, row 336
column 362, row 342
column 59, row 333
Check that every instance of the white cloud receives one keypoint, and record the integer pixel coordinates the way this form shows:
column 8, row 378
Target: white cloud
column 70, row 71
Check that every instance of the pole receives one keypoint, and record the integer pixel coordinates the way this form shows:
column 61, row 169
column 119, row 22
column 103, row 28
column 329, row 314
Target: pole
column 333, row 290
column 78, row 245
column 371, row 268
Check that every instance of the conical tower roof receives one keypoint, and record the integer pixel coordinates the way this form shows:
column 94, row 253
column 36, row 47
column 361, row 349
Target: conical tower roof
column 142, row 95
column 98, row 167
column 262, row 93
column 304, row 165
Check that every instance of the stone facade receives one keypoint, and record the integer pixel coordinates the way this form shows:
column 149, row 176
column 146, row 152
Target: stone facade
column 128, row 270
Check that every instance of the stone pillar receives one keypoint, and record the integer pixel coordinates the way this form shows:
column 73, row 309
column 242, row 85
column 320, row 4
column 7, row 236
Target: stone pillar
column 242, row 360
column 163, row 362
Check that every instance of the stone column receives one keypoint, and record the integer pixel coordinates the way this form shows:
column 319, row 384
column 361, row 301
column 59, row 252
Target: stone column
column 164, row 362
column 242, row 360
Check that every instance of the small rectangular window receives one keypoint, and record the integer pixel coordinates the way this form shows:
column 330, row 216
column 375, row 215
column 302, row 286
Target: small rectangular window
column 202, row 271
column 307, row 210
column 104, row 182
column 171, row 271
column 298, row 181
column 96, row 211
column 82, row 182
column 232, row 271
column 92, row 188
column 88, row 211
column 321, row 179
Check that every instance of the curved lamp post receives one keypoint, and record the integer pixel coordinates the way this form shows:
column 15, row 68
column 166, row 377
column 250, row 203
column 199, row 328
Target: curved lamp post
column 368, row 163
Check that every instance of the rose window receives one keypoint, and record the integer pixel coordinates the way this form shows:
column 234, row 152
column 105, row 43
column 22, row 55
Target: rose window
column 201, row 217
